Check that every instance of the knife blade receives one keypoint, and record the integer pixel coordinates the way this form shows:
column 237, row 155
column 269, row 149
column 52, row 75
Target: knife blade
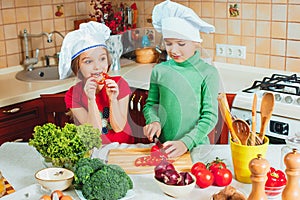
column 159, row 144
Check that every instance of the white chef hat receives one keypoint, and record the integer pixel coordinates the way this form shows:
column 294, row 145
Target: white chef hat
column 174, row 20
column 89, row 35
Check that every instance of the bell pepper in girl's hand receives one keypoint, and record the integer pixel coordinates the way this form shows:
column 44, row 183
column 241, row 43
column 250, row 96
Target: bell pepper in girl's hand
column 101, row 77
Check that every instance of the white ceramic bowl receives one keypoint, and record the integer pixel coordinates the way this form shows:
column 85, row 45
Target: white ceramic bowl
column 176, row 190
column 55, row 178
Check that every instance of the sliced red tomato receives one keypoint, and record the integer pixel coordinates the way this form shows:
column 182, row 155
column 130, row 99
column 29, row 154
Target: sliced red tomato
column 149, row 161
column 197, row 166
column 222, row 177
column 204, row 178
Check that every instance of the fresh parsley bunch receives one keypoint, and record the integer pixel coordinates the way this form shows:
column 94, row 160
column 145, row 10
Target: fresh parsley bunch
column 65, row 146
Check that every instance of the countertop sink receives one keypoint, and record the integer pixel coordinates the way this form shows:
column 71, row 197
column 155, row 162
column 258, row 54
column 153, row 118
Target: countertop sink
column 39, row 74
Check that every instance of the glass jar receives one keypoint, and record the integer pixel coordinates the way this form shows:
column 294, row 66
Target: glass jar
column 2, row 185
column 291, row 143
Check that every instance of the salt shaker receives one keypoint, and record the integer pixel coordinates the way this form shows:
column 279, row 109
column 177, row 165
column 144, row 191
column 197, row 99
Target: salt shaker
column 2, row 185
column 259, row 168
column 292, row 188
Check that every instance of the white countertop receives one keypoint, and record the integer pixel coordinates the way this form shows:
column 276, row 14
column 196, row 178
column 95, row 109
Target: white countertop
column 233, row 79
column 19, row 162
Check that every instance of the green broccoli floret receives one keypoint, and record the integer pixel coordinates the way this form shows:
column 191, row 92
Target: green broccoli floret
column 82, row 174
column 96, row 163
column 122, row 173
column 82, row 162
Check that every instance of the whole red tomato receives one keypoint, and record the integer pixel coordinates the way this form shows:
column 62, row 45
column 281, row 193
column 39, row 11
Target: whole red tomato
column 197, row 166
column 222, row 177
column 216, row 164
column 154, row 148
column 204, row 178
column 275, row 178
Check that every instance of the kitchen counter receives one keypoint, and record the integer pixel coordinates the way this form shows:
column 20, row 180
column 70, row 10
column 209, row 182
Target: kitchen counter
column 233, row 79
column 19, row 162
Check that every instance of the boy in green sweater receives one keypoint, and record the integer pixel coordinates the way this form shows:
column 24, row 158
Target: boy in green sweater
column 182, row 107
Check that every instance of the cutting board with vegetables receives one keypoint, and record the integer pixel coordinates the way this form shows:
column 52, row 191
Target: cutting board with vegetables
column 125, row 158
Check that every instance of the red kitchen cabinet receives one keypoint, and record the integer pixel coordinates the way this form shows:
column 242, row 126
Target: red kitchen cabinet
column 17, row 121
column 135, row 117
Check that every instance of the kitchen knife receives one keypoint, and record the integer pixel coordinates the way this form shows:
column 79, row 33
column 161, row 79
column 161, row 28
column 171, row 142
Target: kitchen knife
column 159, row 144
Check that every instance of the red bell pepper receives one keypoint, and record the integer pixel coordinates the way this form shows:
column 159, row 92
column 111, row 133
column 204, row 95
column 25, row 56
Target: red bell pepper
column 276, row 178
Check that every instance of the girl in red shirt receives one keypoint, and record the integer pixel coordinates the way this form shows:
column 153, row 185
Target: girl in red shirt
column 96, row 99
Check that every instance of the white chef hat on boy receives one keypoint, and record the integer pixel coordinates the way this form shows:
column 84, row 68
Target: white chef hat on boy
column 89, row 35
column 174, row 20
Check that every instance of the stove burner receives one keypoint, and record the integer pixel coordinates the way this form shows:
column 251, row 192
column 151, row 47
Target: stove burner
column 277, row 83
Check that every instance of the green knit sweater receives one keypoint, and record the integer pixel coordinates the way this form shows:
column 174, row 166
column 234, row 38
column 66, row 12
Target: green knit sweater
column 183, row 98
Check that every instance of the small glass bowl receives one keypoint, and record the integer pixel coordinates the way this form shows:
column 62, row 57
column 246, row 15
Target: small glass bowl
column 274, row 192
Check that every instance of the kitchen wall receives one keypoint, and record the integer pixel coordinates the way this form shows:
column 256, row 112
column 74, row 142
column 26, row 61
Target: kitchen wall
column 36, row 16
column 268, row 28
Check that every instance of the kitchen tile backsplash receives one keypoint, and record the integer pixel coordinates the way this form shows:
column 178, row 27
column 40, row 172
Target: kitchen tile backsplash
column 268, row 28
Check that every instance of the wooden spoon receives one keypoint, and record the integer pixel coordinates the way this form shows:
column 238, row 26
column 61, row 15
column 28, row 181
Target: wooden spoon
column 225, row 112
column 242, row 130
column 266, row 110
column 254, row 104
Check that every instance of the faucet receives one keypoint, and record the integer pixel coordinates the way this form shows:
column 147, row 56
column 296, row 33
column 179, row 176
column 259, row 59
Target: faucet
column 30, row 62
column 51, row 34
column 47, row 58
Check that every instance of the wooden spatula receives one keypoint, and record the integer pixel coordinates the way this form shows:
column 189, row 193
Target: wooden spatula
column 225, row 112
column 266, row 110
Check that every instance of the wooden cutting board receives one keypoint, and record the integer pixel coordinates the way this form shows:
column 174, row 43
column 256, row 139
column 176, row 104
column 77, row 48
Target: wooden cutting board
column 125, row 158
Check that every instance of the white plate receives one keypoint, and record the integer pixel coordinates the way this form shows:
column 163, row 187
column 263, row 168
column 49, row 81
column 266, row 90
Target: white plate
column 34, row 191
column 130, row 194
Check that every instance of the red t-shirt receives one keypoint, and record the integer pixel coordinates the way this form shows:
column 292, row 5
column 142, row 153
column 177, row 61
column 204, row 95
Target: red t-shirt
column 75, row 98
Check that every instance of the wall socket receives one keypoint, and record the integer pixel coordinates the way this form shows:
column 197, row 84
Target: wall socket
column 231, row 51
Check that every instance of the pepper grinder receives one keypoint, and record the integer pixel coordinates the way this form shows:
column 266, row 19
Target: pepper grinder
column 292, row 188
column 259, row 168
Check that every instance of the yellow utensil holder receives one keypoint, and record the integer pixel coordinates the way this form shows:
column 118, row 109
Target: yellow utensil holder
column 242, row 155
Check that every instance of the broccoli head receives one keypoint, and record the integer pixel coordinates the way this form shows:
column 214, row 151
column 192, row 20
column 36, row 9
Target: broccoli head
column 106, row 184
column 99, row 181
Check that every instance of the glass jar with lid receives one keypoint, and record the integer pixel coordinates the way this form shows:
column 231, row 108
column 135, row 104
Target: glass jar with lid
column 2, row 185
column 291, row 143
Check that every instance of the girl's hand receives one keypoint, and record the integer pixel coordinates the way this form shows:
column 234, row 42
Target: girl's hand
column 90, row 88
column 175, row 148
column 152, row 129
column 112, row 89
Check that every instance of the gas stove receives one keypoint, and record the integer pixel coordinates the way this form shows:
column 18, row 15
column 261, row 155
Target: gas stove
column 285, row 120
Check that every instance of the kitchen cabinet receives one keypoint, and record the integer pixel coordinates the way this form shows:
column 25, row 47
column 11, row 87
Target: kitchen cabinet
column 18, row 120
column 136, row 118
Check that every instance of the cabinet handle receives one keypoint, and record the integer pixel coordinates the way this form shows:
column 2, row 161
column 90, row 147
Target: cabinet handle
column 139, row 103
column 11, row 111
column 131, row 101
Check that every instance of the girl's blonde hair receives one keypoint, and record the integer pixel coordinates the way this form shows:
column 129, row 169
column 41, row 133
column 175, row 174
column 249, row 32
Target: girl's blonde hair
column 75, row 64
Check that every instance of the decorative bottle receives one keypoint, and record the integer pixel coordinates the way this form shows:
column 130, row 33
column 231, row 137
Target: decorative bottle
column 292, row 188
column 259, row 168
